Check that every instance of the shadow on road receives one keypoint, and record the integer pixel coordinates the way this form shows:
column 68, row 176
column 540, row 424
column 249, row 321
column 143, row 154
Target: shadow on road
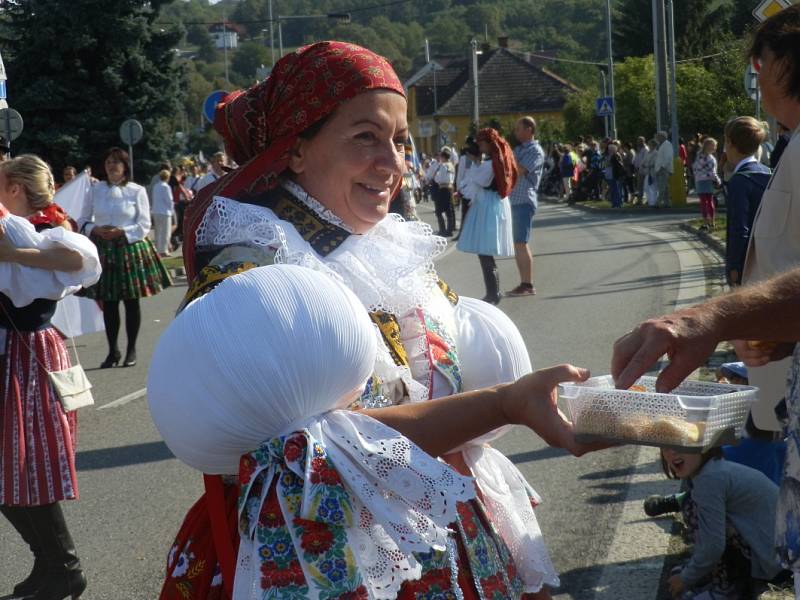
column 540, row 454
column 624, row 581
column 124, row 456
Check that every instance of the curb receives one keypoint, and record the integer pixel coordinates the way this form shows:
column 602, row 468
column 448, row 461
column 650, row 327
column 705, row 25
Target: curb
column 709, row 240
column 617, row 211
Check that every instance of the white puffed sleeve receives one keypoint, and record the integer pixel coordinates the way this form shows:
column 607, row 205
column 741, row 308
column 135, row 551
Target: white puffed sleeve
column 86, row 218
column 491, row 351
column 138, row 230
column 24, row 284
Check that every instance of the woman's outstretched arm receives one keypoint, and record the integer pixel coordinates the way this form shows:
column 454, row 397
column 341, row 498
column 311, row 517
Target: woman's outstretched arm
column 440, row 425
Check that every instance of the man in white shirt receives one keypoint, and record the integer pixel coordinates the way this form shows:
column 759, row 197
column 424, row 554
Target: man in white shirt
column 443, row 179
column 216, row 171
column 663, row 167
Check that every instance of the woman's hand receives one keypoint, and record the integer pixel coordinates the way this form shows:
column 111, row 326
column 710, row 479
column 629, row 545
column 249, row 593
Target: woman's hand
column 115, row 232
column 758, row 354
column 107, row 232
column 7, row 250
column 533, row 401
column 676, row 586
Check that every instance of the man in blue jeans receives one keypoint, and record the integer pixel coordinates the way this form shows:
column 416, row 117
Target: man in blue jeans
column 530, row 161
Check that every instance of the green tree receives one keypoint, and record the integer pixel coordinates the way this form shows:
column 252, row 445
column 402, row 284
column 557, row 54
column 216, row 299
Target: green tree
column 77, row 73
column 579, row 117
column 248, row 57
column 635, row 97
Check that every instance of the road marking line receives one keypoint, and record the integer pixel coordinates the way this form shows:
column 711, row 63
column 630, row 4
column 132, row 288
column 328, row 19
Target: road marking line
column 125, row 399
column 637, row 551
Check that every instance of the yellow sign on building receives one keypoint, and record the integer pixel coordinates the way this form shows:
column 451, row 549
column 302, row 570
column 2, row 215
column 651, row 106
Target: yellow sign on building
column 767, row 8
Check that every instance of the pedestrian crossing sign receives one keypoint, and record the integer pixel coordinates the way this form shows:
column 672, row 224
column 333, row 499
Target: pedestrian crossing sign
column 604, row 107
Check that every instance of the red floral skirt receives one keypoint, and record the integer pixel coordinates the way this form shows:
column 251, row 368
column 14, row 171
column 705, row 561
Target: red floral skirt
column 193, row 572
column 37, row 438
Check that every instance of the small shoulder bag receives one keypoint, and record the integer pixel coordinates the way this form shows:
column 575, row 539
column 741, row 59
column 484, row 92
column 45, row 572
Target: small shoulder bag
column 71, row 385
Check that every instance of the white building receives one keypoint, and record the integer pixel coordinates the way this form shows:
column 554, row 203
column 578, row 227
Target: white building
column 224, row 35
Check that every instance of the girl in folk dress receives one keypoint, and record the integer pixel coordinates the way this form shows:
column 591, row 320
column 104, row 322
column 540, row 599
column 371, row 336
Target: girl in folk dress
column 487, row 231
column 40, row 262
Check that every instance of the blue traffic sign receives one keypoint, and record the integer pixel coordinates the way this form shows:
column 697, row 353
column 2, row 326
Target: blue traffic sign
column 604, row 107
column 210, row 104
column 3, row 93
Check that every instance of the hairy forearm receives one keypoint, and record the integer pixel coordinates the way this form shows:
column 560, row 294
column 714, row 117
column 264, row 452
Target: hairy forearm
column 51, row 259
column 766, row 311
column 438, row 426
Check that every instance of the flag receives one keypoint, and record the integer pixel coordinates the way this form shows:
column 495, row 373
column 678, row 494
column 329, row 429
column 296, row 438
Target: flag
column 75, row 316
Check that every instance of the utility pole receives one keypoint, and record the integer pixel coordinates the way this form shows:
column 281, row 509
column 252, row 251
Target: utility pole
column 612, row 119
column 271, row 35
column 225, row 44
column 604, row 95
column 435, row 91
column 660, row 57
column 475, row 110
column 654, row 11
column 673, row 86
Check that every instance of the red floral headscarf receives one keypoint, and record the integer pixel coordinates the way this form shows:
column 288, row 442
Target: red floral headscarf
column 504, row 164
column 261, row 125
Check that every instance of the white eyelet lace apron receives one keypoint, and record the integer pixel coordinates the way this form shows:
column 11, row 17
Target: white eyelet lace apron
column 345, row 470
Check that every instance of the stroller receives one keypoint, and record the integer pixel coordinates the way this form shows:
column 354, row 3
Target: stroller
column 550, row 184
column 587, row 187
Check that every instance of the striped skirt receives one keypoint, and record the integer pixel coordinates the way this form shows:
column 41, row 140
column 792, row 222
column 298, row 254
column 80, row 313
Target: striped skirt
column 37, row 438
column 130, row 271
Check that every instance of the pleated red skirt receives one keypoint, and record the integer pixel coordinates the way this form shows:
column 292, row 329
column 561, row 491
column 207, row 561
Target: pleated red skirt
column 37, row 438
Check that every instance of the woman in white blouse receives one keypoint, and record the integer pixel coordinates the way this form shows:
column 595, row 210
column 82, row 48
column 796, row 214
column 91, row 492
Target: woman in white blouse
column 117, row 219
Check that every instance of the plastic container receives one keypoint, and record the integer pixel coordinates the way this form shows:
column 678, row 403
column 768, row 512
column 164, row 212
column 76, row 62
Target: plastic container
column 694, row 417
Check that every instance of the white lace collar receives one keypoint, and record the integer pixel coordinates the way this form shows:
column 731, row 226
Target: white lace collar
column 390, row 268
column 315, row 205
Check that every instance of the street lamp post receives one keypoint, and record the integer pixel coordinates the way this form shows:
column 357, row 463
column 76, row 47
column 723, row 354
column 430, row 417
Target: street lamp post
column 342, row 17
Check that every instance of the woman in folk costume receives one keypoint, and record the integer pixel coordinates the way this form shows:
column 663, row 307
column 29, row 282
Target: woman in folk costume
column 116, row 217
column 487, row 231
column 41, row 261
column 333, row 503
column 320, row 144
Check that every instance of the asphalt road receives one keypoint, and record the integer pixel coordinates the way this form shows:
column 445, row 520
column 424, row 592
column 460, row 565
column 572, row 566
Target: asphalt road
column 597, row 276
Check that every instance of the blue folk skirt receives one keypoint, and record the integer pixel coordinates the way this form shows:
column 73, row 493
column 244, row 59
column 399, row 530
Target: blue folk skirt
column 487, row 229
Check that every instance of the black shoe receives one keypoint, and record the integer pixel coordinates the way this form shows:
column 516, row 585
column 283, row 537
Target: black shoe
column 493, row 299
column 65, row 577
column 18, row 517
column 112, row 360
column 655, row 506
column 130, row 358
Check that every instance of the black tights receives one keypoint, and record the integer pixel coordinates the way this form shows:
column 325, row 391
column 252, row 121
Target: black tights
column 133, row 319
